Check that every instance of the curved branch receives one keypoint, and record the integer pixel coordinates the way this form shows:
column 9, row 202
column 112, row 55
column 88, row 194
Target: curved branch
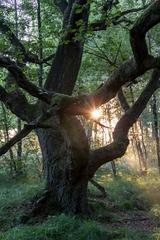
column 149, row 19
column 133, row 113
column 22, row 80
column 124, row 104
column 120, row 135
column 127, row 72
column 18, row 104
column 130, row 69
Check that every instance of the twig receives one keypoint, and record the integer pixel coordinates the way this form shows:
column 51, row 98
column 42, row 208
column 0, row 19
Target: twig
column 102, row 125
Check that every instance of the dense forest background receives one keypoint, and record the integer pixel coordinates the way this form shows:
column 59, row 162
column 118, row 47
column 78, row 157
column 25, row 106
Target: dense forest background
column 124, row 193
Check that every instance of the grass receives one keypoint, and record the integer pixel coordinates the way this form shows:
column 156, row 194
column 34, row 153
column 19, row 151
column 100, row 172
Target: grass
column 69, row 228
column 125, row 193
column 13, row 194
column 130, row 192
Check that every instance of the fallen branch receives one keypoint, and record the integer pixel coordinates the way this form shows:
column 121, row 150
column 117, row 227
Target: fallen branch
column 99, row 187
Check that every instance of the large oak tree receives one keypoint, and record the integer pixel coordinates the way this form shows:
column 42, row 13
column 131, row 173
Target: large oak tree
column 68, row 161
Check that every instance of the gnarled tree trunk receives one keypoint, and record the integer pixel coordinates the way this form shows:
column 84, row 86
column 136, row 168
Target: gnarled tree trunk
column 65, row 147
column 66, row 153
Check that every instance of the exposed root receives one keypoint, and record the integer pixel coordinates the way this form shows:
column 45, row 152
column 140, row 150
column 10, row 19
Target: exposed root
column 41, row 207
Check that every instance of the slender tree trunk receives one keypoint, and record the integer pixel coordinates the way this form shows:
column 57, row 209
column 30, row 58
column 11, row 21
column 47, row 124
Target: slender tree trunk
column 19, row 150
column 142, row 159
column 140, row 151
column 19, row 124
column 143, row 141
column 113, row 164
column 12, row 163
column 40, row 71
column 155, row 125
column 133, row 146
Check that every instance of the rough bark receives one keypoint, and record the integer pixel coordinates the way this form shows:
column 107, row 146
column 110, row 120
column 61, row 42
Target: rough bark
column 65, row 152
column 65, row 147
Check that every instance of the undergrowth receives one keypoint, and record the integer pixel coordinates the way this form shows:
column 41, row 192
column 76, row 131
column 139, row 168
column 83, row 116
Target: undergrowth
column 124, row 193
column 14, row 194
column 69, row 228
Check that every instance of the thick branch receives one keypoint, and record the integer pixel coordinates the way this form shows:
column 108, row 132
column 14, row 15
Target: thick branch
column 149, row 19
column 133, row 68
column 60, row 100
column 124, row 104
column 127, row 72
column 120, row 135
column 18, row 105
column 84, row 104
column 22, row 80
column 133, row 113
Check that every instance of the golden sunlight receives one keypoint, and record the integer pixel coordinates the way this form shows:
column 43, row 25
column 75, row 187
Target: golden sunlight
column 96, row 114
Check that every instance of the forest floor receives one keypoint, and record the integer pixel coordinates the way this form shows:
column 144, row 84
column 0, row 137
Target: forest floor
column 130, row 211
column 137, row 220
column 140, row 220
